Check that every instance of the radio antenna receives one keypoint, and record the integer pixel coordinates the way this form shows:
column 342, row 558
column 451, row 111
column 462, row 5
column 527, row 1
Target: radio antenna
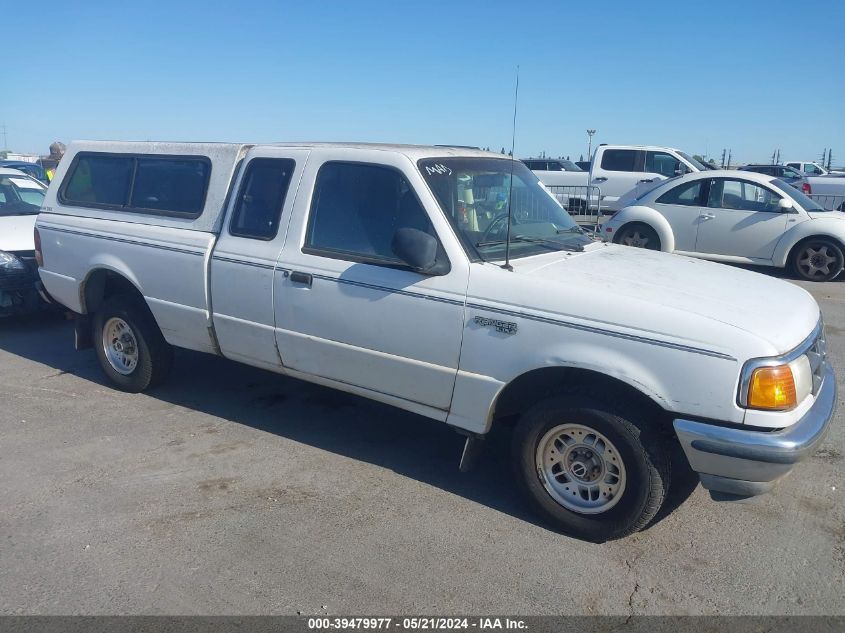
column 507, row 264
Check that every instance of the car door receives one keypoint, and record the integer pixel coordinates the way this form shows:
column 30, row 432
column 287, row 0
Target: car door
column 617, row 173
column 681, row 206
column 742, row 219
column 347, row 308
column 245, row 256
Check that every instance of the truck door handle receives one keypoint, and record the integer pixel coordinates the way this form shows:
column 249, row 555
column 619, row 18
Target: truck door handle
column 599, row 179
column 647, row 180
column 301, row 278
column 707, row 216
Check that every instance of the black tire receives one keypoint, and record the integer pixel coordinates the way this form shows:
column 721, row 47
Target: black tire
column 638, row 444
column 154, row 354
column 639, row 235
column 818, row 259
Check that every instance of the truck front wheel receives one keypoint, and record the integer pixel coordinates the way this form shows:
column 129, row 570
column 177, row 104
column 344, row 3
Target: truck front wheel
column 129, row 345
column 594, row 472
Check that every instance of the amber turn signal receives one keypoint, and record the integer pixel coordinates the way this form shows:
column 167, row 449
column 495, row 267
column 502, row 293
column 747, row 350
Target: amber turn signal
column 772, row 388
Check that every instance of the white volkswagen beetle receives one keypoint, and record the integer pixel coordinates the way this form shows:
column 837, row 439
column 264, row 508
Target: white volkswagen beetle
column 732, row 216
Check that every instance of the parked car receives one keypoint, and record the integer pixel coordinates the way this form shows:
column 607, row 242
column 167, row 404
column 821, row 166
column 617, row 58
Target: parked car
column 20, row 200
column 583, row 164
column 812, row 169
column 395, row 273
column 32, row 170
column 787, row 174
column 733, row 216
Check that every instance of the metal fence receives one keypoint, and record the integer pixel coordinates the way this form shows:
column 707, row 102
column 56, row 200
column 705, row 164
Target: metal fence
column 829, row 201
column 582, row 202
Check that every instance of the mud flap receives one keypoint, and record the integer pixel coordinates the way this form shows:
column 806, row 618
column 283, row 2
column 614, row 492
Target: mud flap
column 82, row 332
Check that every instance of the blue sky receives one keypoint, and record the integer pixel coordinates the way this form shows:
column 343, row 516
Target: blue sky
column 748, row 75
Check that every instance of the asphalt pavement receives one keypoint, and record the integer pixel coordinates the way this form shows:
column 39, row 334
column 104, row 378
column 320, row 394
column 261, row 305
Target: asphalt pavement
column 231, row 490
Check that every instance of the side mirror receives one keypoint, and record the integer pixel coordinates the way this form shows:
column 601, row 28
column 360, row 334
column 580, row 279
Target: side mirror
column 784, row 204
column 419, row 250
column 681, row 170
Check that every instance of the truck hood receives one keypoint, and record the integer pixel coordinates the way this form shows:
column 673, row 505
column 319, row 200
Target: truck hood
column 827, row 215
column 16, row 232
column 671, row 295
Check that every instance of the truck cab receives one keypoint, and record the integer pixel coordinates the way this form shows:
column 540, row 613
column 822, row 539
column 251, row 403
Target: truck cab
column 627, row 169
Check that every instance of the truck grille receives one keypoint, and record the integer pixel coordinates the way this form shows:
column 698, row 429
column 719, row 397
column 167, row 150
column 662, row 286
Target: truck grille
column 817, row 355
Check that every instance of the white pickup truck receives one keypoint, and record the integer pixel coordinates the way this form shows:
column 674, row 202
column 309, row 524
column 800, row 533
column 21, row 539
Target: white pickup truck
column 616, row 170
column 447, row 282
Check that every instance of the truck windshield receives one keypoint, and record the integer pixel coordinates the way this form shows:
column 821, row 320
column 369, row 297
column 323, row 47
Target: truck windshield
column 20, row 195
column 696, row 163
column 474, row 195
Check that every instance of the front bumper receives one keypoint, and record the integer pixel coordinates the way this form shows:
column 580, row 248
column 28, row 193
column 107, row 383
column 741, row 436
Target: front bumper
column 747, row 463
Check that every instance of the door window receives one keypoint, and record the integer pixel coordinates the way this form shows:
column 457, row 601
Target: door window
column 261, row 198
column 357, row 208
column 742, row 196
column 619, row 160
column 662, row 163
column 687, row 194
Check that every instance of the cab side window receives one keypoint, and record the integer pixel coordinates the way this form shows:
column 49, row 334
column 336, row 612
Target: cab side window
column 662, row 163
column 356, row 210
column 619, row 160
column 687, row 194
column 261, row 198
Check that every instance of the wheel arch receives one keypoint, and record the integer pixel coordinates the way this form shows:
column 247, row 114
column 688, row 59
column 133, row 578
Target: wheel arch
column 534, row 385
column 650, row 218
column 103, row 282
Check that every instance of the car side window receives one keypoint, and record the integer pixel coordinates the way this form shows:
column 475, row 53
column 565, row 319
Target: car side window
column 741, row 195
column 661, row 163
column 687, row 194
column 356, row 210
column 619, row 160
column 555, row 166
column 261, row 198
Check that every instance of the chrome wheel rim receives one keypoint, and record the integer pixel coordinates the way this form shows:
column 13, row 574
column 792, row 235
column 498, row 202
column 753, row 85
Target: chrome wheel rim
column 815, row 261
column 120, row 346
column 580, row 468
column 635, row 239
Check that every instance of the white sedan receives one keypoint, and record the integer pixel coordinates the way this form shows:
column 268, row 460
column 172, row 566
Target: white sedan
column 730, row 216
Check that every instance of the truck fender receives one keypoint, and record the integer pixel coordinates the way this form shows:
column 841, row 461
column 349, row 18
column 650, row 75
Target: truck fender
column 105, row 262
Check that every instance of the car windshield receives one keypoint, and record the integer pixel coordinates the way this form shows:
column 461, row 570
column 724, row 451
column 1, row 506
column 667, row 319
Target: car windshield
column 20, row 195
column 696, row 163
column 474, row 195
column 806, row 202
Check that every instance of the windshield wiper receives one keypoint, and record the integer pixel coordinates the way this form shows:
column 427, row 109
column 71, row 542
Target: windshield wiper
column 571, row 229
column 535, row 240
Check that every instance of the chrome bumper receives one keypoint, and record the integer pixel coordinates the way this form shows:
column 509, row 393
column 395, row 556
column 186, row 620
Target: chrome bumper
column 747, row 463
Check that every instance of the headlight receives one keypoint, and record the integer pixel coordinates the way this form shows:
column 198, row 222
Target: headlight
column 10, row 262
column 780, row 387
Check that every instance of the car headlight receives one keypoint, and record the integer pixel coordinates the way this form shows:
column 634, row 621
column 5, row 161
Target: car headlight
column 10, row 262
column 779, row 387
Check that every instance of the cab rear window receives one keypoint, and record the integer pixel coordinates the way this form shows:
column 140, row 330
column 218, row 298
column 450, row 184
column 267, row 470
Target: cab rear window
column 149, row 184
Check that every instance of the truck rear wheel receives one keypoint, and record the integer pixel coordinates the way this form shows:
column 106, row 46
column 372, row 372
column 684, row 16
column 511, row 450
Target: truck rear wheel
column 594, row 472
column 129, row 345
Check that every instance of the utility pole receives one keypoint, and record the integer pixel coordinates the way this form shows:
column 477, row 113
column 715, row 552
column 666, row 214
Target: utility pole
column 728, row 166
column 723, row 158
column 829, row 158
column 5, row 143
column 590, row 144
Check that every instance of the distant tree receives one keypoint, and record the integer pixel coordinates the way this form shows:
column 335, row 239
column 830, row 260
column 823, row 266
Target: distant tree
column 503, row 150
column 581, row 160
column 3, row 154
column 510, row 153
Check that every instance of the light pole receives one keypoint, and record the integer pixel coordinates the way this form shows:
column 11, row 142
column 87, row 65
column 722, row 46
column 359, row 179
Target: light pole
column 590, row 144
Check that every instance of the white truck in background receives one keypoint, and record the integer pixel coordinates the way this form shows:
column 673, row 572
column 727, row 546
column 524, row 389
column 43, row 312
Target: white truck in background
column 618, row 170
column 826, row 187
column 812, row 169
